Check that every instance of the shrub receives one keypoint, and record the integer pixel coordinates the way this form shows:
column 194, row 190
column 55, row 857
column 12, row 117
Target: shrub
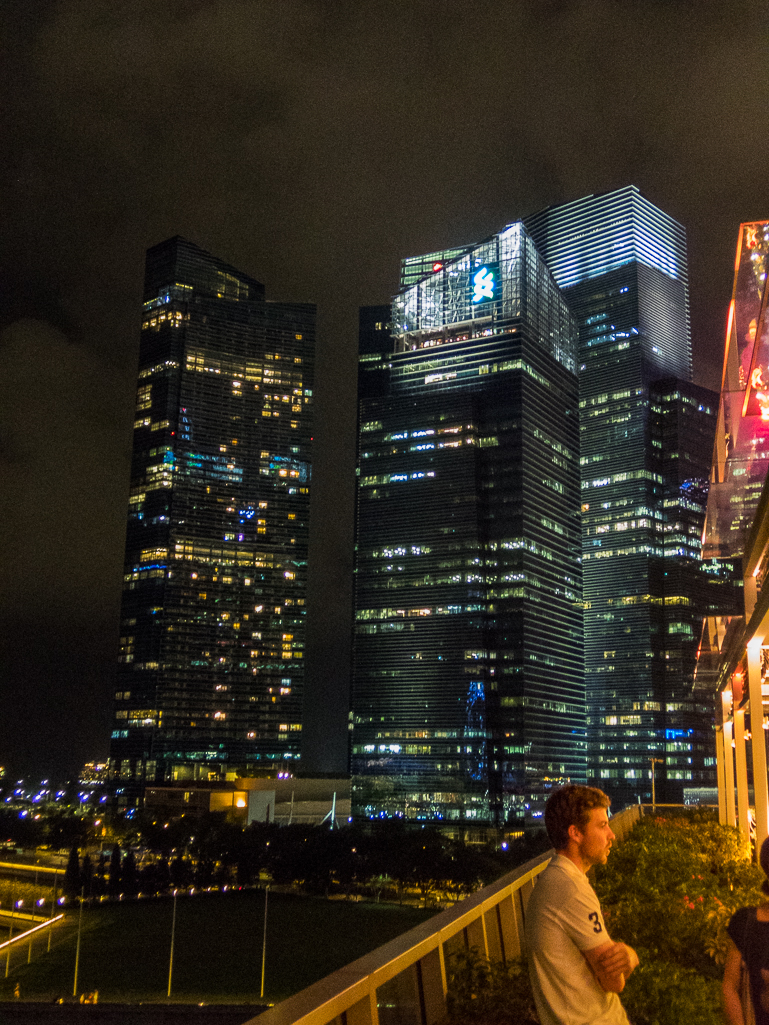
column 487, row 992
column 660, row 993
column 672, row 885
column 669, row 890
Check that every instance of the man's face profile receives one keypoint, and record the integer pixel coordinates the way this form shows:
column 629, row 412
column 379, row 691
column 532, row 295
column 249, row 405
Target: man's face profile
column 595, row 840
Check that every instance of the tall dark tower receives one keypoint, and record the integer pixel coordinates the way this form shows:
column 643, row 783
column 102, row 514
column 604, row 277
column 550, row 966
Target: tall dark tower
column 646, row 434
column 468, row 696
column 212, row 622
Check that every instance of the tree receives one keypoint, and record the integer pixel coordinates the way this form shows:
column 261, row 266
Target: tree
column 466, row 868
column 129, row 877
column 423, row 860
column 204, row 873
column 181, row 872
column 99, row 881
column 253, row 852
column 163, row 875
column 72, row 875
column 114, row 871
column 63, row 829
column 86, row 875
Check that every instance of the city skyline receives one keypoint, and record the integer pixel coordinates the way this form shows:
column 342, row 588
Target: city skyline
column 314, row 150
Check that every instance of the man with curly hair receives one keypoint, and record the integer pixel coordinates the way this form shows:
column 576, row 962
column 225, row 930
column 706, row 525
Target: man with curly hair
column 576, row 970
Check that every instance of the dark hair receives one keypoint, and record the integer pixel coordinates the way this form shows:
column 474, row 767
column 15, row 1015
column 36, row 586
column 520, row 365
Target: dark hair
column 571, row 806
column 763, row 860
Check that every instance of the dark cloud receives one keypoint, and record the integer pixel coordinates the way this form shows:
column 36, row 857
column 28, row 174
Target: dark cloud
column 64, row 463
column 313, row 145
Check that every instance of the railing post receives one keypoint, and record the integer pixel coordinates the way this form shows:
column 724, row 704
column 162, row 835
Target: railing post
column 726, row 699
column 720, row 775
column 360, row 1013
column 511, row 936
column 743, row 819
column 523, row 893
column 373, row 1009
column 493, row 939
column 444, row 979
column 758, row 741
column 476, row 936
column 433, row 992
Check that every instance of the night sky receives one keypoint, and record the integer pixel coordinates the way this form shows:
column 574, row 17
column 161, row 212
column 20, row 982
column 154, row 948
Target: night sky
column 312, row 144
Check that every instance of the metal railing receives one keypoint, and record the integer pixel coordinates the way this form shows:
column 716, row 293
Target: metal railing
column 42, row 923
column 404, row 981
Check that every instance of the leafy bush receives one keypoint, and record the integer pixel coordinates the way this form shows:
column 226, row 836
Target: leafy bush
column 488, row 993
column 670, row 888
column 660, row 993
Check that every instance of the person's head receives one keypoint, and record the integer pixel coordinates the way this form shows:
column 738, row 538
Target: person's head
column 571, row 805
column 763, row 860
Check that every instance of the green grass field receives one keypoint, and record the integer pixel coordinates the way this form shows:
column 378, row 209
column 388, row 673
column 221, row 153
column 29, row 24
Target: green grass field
column 218, row 948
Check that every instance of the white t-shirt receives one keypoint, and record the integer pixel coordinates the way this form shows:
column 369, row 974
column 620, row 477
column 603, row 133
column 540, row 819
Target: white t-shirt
column 563, row 918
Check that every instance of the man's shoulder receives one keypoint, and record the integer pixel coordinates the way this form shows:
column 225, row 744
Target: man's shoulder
column 561, row 872
column 562, row 892
column 556, row 882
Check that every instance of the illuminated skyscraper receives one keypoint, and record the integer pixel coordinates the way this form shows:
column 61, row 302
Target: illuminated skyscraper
column 212, row 622
column 645, row 441
column 468, row 697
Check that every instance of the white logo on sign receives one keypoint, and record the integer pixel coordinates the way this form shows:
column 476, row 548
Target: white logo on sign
column 483, row 285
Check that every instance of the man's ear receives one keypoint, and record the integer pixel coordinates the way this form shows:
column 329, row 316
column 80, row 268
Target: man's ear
column 575, row 834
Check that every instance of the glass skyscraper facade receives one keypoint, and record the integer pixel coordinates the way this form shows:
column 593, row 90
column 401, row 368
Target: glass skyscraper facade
column 212, row 622
column 414, row 268
column 468, row 697
column 646, row 433
column 741, row 450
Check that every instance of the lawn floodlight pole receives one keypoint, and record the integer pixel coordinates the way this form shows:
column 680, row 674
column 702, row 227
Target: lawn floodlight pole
column 79, row 930
column 53, row 908
column 264, row 938
column 171, row 958
column 10, row 930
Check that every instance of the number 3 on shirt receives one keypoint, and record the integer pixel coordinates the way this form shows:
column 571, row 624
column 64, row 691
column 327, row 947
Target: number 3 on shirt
column 593, row 916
